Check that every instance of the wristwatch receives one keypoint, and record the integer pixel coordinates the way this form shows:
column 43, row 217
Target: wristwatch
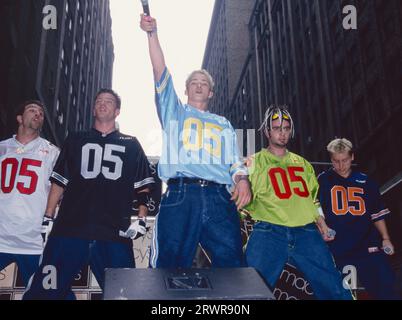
column 242, row 177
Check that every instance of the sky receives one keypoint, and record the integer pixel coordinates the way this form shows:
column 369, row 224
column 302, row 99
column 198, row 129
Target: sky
column 183, row 27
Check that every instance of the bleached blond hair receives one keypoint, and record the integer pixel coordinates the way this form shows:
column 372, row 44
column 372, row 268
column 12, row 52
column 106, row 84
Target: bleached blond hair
column 205, row 73
column 340, row 146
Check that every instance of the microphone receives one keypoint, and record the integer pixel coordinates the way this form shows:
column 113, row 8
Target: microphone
column 145, row 7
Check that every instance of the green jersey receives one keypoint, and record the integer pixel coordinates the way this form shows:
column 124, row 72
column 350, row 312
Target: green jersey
column 284, row 189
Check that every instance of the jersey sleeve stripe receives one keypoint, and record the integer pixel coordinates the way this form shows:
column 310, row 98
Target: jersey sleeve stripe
column 380, row 214
column 59, row 178
column 238, row 169
column 144, row 182
column 163, row 83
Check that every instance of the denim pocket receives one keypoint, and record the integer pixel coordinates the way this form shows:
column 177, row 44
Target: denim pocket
column 221, row 207
column 224, row 195
column 173, row 198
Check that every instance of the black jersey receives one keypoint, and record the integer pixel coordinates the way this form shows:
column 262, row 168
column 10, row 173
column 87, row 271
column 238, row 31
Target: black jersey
column 100, row 174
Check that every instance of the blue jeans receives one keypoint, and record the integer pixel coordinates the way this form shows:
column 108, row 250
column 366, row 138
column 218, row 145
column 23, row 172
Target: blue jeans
column 271, row 246
column 190, row 214
column 68, row 256
column 27, row 264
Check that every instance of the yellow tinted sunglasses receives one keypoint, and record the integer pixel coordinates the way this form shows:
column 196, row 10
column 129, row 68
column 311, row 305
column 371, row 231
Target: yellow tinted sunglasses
column 276, row 116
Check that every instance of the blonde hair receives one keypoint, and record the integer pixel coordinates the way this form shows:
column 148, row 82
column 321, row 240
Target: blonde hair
column 340, row 146
column 205, row 73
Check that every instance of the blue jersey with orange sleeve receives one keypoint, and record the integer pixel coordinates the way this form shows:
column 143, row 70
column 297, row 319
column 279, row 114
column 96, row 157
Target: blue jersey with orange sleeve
column 351, row 206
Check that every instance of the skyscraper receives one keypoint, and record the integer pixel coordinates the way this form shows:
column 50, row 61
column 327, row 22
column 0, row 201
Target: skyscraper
column 63, row 67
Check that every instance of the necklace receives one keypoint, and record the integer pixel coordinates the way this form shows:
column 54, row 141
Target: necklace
column 20, row 150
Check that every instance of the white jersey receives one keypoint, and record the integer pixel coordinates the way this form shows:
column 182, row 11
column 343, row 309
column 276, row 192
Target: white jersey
column 24, row 187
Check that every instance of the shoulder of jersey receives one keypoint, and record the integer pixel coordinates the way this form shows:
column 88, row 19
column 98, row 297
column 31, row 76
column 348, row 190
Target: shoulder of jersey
column 322, row 174
column 51, row 145
column 220, row 119
column 298, row 158
column 4, row 146
column 6, row 141
column 326, row 173
column 360, row 178
column 126, row 137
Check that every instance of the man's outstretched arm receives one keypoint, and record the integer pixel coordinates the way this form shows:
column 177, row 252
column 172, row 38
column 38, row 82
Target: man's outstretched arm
column 148, row 24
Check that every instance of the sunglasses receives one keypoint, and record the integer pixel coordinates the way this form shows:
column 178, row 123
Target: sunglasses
column 276, row 116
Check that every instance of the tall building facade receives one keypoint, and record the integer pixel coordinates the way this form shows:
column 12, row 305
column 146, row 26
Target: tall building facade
column 337, row 82
column 63, row 67
column 227, row 48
